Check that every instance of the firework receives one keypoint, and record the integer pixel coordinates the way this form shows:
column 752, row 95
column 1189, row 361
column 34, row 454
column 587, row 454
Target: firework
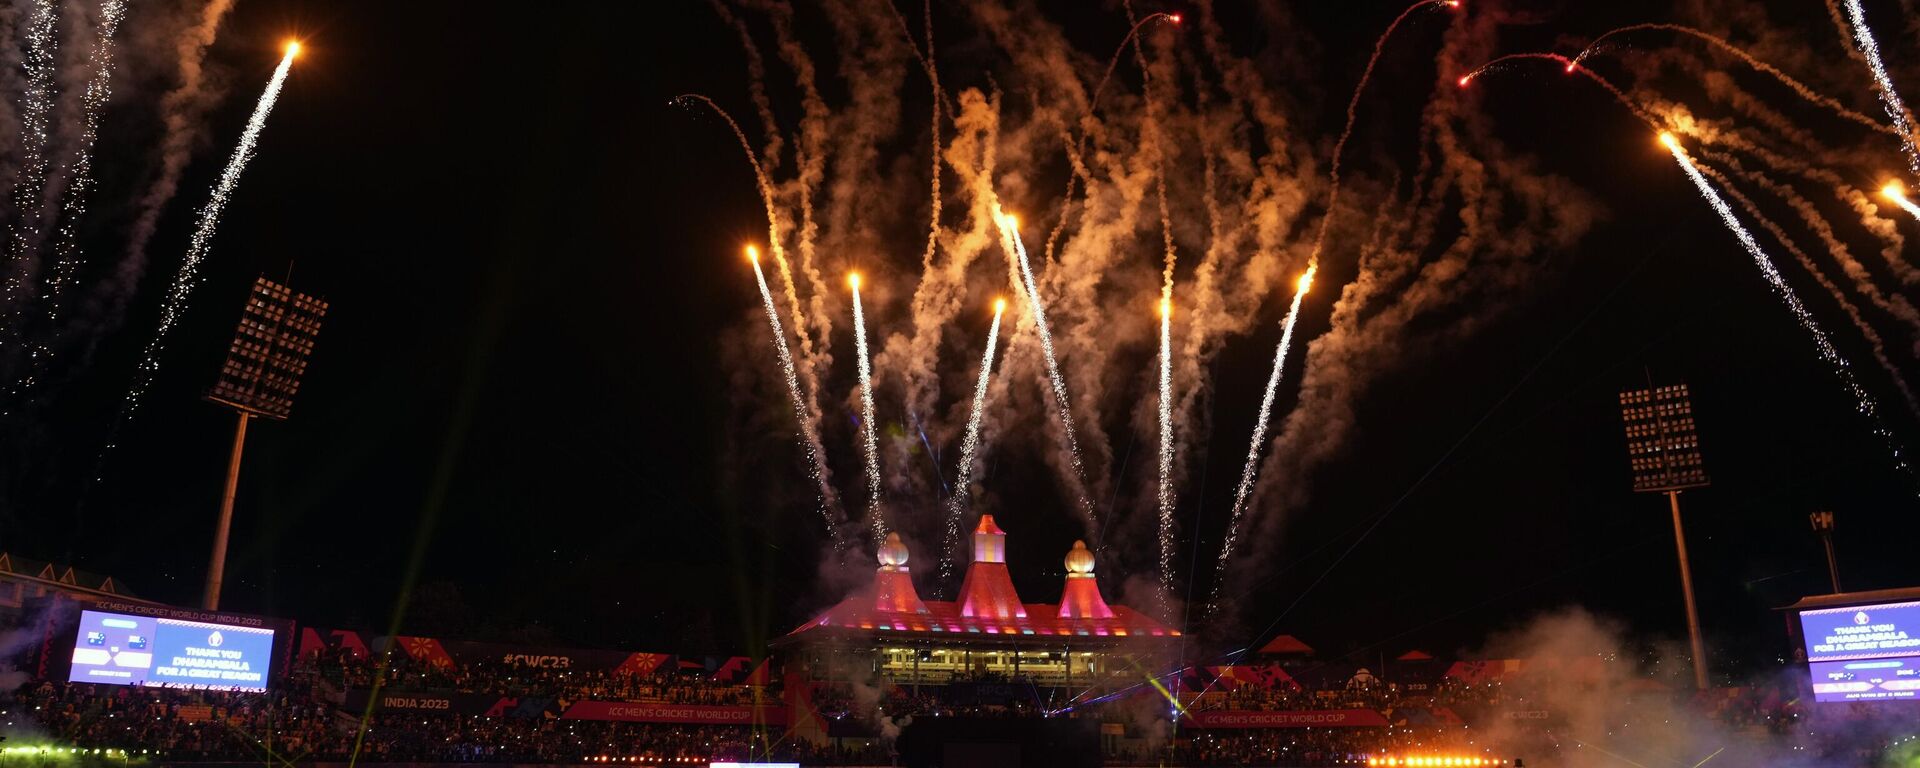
column 1875, row 345
column 963, row 483
column 1165, row 496
column 1800, row 88
column 183, row 111
column 769, row 199
column 870, row 444
column 1893, row 191
column 174, row 304
column 1862, row 402
column 1151, row 135
column 1093, row 102
column 1037, row 311
column 1889, row 98
column 803, row 369
column 1353, row 108
column 93, row 99
column 1252, row 468
column 35, row 104
column 1569, row 67
column 1077, row 146
column 802, row 416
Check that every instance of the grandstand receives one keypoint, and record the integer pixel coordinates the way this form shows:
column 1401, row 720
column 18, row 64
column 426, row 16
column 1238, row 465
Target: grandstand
column 884, row 677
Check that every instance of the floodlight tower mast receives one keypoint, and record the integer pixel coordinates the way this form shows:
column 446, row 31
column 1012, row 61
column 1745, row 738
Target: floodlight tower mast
column 1823, row 525
column 262, row 373
column 1663, row 448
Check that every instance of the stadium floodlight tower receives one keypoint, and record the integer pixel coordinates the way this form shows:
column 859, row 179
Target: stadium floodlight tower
column 1663, row 448
column 262, row 374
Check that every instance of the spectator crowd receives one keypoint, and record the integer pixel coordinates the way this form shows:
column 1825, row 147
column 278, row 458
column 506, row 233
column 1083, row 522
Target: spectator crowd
column 307, row 716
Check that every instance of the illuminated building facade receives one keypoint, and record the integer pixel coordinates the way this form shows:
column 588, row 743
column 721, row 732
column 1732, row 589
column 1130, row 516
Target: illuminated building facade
column 888, row 633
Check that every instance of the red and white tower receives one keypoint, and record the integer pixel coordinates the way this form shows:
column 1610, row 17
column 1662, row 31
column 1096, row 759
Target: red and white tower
column 987, row 591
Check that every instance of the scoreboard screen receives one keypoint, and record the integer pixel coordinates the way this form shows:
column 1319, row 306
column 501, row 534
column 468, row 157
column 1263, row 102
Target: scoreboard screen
column 1863, row 652
column 128, row 649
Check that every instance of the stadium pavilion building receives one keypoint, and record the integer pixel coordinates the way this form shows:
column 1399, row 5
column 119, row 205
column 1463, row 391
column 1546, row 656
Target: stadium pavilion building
column 887, row 632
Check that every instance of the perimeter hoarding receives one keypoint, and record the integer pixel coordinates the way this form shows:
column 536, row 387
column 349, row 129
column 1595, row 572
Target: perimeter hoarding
column 1867, row 652
column 1317, row 718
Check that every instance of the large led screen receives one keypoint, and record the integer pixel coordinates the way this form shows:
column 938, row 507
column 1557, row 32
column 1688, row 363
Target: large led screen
column 1863, row 652
column 124, row 649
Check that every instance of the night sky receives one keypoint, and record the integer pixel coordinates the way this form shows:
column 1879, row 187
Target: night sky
column 532, row 264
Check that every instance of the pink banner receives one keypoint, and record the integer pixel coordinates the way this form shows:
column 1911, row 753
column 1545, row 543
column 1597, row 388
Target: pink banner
column 636, row 712
column 1310, row 718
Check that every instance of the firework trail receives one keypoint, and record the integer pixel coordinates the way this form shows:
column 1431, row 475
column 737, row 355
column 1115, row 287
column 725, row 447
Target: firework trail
column 1353, row 107
column 1618, row 95
column 1889, row 98
column 1845, row 193
column 803, row 419
column 182, row 111
column 1037, row 311
column 809, row 157
column 963, row 483
column 1252, row 468
column 1113, row 63
column 1151, row 137
column 1862, row 402
column 175, row 302
column 869, row 443
column 756, row 92
column 768, row 199
column 36, row 102
column 66, row 246
column 1893, row 304
column 1899, row 197
column 1077, row 146
column 1165, row 496
column 932, row 70
column 1875, row 344
column 1800, row 88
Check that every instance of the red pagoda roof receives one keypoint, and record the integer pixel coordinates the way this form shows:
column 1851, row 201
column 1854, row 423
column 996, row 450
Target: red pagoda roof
column 988, row 604
column 1286, row 645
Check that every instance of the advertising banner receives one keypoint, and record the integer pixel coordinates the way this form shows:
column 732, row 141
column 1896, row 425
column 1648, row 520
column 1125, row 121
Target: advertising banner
column 444, row 653
column 636, row 712
column 443, row 702
column 1306, row 718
